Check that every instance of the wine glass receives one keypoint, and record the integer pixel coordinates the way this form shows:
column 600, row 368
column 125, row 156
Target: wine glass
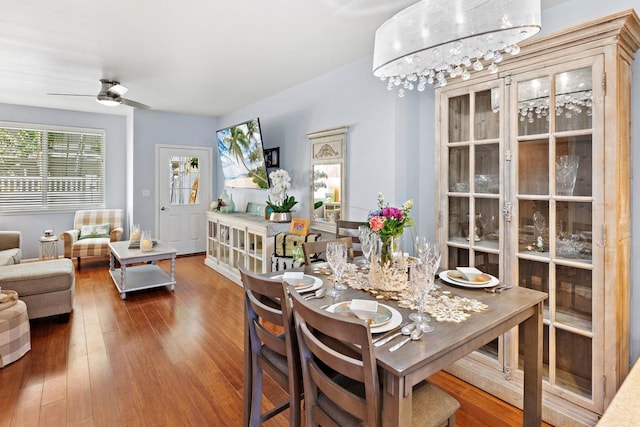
column 421, row 282
column 342, row 264
column 366, row 243
column 428, row 253
column 336, row 256
column 422, row 246
column 539, row 223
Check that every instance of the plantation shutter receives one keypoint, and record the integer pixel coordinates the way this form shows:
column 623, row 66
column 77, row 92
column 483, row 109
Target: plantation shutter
column 50, row 169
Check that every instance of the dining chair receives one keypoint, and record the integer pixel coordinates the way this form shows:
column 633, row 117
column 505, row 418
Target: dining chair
column 341, row 385
column 314, row 250
column 268, row 350
column 346, row 228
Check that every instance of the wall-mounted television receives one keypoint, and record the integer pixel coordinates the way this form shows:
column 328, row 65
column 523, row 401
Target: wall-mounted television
column 242, row 156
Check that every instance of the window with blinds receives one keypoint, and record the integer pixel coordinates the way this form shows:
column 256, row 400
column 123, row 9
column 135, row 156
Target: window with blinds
column 50, row 168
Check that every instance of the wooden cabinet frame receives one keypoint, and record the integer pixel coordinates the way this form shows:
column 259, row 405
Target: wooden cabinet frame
column 608, row 46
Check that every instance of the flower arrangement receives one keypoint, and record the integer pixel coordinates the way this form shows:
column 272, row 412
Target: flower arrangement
column 277, row 198
column 217, row 204
column 388, row 221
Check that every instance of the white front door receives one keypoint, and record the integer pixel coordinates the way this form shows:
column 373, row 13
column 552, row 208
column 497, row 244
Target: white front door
column 184, row 193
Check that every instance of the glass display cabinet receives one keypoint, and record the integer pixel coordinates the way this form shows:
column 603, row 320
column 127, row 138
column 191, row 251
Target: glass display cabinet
column 328, row 196
column 240, row 237
column 529, row 194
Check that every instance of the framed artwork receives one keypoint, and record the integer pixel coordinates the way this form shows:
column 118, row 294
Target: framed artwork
column 299, row 226
column 241, row 155
column 272, row 157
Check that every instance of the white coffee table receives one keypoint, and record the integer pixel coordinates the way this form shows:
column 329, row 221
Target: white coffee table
column 129, row 278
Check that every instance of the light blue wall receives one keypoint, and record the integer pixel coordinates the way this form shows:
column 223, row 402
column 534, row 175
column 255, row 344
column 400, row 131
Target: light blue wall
column 31, row 226
column 391, row 141
column 129, row 167
column 151, row 128
column 347, row 96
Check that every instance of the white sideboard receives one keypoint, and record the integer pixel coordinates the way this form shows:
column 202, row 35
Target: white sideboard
column 233, row 237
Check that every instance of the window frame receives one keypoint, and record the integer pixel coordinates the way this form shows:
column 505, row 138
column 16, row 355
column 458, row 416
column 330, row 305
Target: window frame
column 45, row 204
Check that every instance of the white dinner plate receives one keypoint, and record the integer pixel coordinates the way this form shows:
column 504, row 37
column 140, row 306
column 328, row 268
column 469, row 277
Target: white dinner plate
column 451, row 274
column 313, row 282
column 381, row 317
column 396, row 318
column 493, row 282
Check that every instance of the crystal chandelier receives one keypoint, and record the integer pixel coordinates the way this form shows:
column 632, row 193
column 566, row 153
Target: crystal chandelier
column 433, row 40
column 566, row 104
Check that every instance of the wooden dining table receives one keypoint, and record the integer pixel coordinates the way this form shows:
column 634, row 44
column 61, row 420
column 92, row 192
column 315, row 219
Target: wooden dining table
column 449, row 342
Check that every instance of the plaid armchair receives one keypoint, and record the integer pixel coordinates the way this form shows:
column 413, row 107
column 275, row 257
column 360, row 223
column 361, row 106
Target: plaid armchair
column 92, row 231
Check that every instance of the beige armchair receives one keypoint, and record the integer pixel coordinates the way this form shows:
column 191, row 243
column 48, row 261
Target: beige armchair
column 10, row 247
column 92, row 231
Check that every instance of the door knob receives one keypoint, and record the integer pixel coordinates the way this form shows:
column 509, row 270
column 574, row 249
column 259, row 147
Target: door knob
column 163, row 208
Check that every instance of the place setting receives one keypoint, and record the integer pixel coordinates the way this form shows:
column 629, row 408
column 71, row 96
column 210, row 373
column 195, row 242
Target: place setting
column 303, row 283
column 469, row 277
column 381, row 317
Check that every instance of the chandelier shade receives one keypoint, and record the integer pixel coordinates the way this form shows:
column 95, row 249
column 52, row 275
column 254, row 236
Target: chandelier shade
column 435, row 39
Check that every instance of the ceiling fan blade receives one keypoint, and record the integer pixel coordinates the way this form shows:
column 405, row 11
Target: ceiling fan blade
column 134, row 104
column 69, row 94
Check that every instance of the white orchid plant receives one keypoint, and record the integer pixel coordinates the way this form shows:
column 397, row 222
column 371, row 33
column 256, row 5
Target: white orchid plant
column 277, row 198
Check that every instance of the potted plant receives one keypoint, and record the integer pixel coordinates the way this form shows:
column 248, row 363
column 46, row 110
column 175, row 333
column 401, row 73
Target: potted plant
column 278, row 199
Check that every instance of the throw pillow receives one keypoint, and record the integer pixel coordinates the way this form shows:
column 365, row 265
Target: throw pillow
column 94, row 231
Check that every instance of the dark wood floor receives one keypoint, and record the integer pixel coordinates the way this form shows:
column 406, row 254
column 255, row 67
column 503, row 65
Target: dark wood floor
column 158, row 359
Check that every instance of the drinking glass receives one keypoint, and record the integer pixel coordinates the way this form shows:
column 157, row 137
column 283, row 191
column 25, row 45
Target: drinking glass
column 422, row 246
column 539, row 224
column 421, row 282
column 336, row 256
column 566, row 173
column 428, row 255
column 342, row 264
column 366, row 243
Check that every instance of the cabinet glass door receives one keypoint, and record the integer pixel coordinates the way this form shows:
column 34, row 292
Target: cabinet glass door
column 212, row 238
column 238, row 248
column 555, row 217
column 224, row 246
column 473, row 197
column 255, row 252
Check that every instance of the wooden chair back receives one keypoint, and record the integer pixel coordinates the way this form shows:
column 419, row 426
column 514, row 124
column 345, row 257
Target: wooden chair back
column 313, row 250
column 334, row 372
column 267, row 315
column 346, row 228
column 340, row 376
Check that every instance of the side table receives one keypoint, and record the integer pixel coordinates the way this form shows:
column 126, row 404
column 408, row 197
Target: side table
column 48, row 247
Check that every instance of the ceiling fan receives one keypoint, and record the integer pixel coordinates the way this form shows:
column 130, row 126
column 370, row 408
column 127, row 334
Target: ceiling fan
column 110, row 95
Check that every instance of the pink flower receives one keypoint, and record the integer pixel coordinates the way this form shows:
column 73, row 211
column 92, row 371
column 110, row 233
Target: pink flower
column 376, row 223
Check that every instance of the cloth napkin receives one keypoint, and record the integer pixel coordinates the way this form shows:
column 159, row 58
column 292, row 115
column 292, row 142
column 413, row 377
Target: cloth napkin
column 295, row 278
column 292, row 275
column 7, row 296
column 8, row 299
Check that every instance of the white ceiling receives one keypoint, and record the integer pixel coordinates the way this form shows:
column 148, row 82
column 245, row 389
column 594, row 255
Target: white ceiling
column 193, row 56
